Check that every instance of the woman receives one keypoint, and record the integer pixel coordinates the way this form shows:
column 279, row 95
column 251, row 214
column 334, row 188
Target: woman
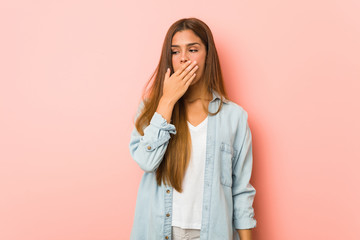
column 194, row 146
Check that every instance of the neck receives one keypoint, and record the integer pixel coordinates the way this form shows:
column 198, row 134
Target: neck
column 197, row 91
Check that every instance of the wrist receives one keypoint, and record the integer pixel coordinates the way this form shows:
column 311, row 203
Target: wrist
column 167, row 101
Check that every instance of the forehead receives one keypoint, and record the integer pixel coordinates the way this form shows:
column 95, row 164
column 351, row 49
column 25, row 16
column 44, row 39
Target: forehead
column 184, row 37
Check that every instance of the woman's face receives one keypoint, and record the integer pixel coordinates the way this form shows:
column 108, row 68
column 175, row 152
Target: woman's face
column 187, row 46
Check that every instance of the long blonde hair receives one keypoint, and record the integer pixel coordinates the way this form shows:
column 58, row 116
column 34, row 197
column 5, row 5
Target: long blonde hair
column 176, row 158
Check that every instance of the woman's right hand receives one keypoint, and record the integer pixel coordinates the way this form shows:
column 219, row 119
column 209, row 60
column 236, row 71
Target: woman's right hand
column 177, row 84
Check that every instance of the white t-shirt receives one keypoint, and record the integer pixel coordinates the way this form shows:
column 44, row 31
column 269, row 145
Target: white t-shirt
column 187, row 206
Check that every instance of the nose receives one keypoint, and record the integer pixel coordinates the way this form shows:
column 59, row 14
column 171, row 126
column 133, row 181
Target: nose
column 184, row 58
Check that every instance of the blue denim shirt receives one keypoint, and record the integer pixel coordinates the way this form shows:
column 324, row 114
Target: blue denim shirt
column 228, row 195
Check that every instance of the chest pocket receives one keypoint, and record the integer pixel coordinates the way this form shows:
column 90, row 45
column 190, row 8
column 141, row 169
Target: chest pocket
column 227, row 154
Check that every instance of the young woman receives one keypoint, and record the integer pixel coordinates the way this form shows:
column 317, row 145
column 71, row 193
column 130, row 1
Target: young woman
column 194, row 146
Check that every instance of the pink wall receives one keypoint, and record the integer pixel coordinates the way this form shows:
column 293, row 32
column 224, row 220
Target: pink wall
column 71, row 75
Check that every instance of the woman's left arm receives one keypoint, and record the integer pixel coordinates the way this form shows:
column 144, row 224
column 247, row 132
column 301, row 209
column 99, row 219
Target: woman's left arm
column 244, row 234
column 243, row 192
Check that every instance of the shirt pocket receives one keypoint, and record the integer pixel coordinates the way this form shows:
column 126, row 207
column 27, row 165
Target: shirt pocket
column 226, row 154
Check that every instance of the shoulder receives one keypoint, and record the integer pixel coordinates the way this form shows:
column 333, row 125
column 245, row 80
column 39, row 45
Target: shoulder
column 141, row 105
column 140, row 108
column 232, row 124
column 234, row 111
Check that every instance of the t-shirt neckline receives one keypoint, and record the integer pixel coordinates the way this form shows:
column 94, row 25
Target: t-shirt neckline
column 199, row 125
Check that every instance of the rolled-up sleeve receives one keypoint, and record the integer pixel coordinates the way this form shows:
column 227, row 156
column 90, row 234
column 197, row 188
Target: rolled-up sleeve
column 148, row 150
column 243, row 192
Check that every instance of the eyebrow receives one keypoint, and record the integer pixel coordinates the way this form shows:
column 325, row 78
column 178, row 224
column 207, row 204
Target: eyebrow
column 189, row 44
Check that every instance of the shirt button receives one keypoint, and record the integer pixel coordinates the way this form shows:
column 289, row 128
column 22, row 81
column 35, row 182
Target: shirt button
column 149, row 147
column 166, row 237
column 168, row 214
column 168, row 191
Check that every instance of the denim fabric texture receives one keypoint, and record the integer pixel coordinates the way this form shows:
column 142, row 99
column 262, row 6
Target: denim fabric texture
column 228, row 195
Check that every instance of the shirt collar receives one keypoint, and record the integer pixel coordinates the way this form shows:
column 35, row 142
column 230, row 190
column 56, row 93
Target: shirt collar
column 217, row 96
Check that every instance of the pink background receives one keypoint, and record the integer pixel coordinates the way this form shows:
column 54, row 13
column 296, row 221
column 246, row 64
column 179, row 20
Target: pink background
column 71, row 77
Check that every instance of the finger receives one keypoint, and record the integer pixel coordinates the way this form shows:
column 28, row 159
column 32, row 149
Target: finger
column 187, row 70
column 182, row 68
column 187, row 84
column 167, row 74
column 189, row 74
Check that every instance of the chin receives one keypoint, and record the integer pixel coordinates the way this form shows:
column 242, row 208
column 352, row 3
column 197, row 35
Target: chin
column 194, row 81
column 197, row 79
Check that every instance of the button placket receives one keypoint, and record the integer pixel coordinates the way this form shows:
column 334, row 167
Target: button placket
column 168, row 209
